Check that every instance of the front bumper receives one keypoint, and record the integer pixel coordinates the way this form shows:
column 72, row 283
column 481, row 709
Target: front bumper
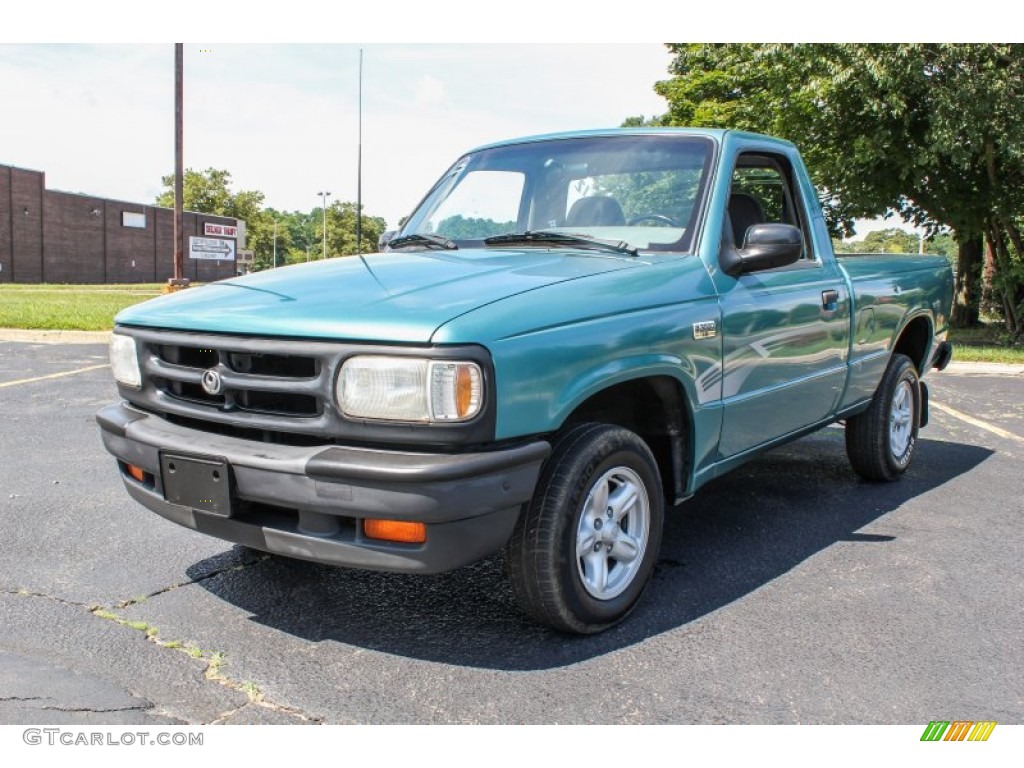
column 309, row 502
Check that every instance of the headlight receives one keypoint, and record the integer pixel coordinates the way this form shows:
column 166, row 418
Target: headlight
column 409, row 389
column 124, row 360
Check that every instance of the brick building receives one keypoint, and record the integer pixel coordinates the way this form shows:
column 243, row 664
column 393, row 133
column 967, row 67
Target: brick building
column 48, row 236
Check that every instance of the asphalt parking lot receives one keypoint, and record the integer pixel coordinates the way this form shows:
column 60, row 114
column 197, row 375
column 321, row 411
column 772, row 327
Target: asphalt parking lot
column 787, row 592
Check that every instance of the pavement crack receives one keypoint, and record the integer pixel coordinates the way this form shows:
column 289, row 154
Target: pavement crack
column 225, row 716
column 213, row 660
column 29, row 593
column 23, row 698
column 136, row 708
column 164, row 590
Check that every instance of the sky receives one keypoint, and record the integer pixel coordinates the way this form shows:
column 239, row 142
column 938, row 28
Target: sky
column 283, row 119
column 97, row 117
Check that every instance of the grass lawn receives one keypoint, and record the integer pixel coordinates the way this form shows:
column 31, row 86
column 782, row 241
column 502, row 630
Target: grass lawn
column 988, row 343
column 68, row 307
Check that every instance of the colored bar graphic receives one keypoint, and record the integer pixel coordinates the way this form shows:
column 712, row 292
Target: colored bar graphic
column 982, row 730
column 935, row 730
column 958, row 730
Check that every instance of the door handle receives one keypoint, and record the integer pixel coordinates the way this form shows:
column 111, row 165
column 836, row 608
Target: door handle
column 830, row 299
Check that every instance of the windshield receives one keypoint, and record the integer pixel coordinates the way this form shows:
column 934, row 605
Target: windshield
column 641, row 191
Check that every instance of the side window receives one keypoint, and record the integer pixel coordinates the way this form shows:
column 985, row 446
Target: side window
column 763, row 193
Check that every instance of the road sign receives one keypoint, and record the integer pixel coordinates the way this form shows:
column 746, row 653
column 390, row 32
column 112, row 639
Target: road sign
column 211, row 249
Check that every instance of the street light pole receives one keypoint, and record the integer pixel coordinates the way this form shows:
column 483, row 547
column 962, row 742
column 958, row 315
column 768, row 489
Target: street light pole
column 323, row 198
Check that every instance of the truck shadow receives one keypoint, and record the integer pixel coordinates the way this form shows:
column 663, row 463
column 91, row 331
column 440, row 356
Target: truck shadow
column 737, row 535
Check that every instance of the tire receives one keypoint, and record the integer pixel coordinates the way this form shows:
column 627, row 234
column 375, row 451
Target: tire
column 585, row 546
column 880, row 441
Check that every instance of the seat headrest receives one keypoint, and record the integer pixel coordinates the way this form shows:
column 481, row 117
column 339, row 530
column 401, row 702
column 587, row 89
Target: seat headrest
column 595, row 211
column 744, row 212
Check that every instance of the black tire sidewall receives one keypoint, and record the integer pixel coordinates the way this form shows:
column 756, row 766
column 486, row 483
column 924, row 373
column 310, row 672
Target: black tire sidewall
column 905, row 372
column 627, row 450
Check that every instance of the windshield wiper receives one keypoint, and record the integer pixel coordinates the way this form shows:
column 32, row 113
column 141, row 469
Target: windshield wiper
column 560, row 238
column 428, row 241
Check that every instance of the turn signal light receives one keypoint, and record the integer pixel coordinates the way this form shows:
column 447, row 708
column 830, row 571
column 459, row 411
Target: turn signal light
column 467, row 391
column 137, row 472
column 396, row 530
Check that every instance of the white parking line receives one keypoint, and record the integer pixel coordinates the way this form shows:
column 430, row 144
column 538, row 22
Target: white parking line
column 977, row 422
column 52, row 375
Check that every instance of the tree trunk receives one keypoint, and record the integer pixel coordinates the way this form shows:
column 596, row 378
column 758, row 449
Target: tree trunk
column 1015, row 286
column 967, row 285
column 1004, row 277
column 991, row 296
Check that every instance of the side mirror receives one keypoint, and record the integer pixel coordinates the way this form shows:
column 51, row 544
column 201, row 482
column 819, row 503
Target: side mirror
column 765, row 246
column 385, row 238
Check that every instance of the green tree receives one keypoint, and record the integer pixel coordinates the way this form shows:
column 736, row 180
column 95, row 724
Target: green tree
column 299, row 235
column 892, row 240
column 210, row 192
column 943, row 244
column 302, row 229
column 341, row 231
column 462, row 228
column 932, row 131
column 260, row 238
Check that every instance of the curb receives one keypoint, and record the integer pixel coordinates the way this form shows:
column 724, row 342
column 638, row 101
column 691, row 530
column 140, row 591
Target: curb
column 55, row 337
column 983, row 369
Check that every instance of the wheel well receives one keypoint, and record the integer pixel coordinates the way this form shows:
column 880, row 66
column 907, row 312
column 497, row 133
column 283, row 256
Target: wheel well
column 914, row 341
column 655, row 409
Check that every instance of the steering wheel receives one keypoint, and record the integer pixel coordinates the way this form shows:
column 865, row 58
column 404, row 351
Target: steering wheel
column 657, row 217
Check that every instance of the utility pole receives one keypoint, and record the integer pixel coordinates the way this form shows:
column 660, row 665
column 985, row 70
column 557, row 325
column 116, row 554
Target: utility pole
column 359, row 165
column 275, row 243
column 178, row 281
column 323, row 198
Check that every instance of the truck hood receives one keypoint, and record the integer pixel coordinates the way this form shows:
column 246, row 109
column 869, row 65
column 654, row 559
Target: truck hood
column 384, row 297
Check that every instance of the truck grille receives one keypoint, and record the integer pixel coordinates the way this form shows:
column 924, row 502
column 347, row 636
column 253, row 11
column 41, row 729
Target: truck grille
column 255, row 382
column 267, row 386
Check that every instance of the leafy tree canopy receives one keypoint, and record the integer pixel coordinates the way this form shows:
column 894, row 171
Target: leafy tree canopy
column 209, row 191
column 932, row 131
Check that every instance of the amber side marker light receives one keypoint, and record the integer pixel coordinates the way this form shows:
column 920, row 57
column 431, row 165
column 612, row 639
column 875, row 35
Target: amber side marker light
column 395, row 530
column 137, row 472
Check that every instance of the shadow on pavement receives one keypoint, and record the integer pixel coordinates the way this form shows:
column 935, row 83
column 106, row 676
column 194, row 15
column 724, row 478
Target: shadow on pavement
column 739, row 533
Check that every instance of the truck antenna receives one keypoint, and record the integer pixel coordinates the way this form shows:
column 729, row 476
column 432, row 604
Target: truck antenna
column 359, row 165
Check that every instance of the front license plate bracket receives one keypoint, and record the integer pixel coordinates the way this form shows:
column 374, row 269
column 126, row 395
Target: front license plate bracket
column 199, row 482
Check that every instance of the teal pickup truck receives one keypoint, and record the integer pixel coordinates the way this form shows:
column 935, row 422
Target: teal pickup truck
column 570, row 334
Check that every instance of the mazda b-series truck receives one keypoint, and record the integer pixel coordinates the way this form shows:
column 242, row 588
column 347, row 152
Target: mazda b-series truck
column 569, row 335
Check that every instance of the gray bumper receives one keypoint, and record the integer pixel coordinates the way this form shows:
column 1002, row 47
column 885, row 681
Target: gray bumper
column 309, row 502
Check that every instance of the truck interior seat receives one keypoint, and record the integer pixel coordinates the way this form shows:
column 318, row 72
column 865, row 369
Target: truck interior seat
column 744, row 212
column 595, row 212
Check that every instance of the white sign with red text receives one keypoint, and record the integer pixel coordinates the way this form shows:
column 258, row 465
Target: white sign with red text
column 220, row 230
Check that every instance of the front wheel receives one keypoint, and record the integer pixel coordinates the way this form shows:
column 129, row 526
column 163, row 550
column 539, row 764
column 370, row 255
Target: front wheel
column 584, row 548
column 880, row 441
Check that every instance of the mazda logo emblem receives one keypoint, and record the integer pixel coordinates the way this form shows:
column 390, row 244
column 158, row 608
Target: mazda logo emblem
column 212, row 383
